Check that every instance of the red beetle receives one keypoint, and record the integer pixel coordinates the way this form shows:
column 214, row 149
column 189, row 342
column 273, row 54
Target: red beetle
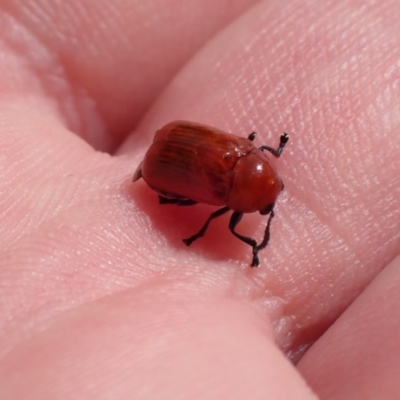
column 190, row 163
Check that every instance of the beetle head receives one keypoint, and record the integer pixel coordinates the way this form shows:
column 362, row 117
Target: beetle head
column 255, row 185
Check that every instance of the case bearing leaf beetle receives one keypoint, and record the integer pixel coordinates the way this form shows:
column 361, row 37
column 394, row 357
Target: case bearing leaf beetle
column 190, row 163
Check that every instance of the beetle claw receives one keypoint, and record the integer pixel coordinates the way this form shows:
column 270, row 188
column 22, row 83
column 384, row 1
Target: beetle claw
column 256, row 261
column 188, row 241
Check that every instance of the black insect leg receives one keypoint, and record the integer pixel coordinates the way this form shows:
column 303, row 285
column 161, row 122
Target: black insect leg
column 178, row 202
column 264, row 243
column 202, row 231
column 235, row 219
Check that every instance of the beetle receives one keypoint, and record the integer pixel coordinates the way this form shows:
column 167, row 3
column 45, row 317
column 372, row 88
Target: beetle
column 190, row 163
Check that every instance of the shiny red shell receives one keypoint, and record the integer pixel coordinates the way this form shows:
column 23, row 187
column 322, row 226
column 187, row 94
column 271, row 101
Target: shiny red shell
column 193, row 161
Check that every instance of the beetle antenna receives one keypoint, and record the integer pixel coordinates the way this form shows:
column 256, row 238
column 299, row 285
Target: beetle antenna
column 252, row 136
column 282, row 143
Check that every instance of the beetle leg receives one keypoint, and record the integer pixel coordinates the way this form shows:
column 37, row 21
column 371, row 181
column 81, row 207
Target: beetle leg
column 264, row 243
column 282, row 142
column 178, row 202
column 202, row 231
column 235, row 219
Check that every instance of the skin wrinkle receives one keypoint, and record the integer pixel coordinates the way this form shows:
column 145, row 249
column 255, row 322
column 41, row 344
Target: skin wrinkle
column 125, row 102
column 74, row 107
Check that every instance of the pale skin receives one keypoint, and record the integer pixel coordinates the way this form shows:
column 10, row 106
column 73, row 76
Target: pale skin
column 99, row 298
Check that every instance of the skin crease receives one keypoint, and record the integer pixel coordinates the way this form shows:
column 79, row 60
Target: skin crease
column 98, row 296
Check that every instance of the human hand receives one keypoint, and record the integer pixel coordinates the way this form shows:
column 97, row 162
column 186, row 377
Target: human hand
column 99, row 297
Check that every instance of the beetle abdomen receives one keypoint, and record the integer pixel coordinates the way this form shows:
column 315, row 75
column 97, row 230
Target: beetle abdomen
column 188, row 160
column 183, row 172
